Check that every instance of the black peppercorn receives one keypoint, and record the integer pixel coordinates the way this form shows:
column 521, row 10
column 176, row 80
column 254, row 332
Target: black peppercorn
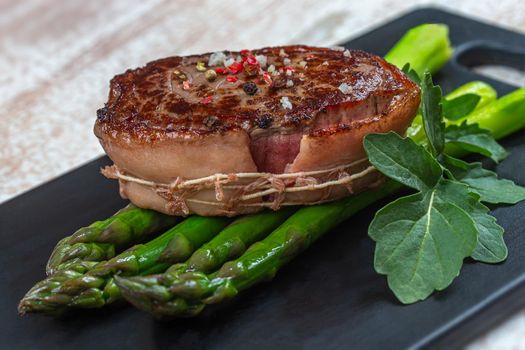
column 264, row 121
column 102, row 113
column 250, row 88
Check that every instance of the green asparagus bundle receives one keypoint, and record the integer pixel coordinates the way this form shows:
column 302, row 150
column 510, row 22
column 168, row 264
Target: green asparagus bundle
column 185, row 294
column 88, row 284
column 103, row 239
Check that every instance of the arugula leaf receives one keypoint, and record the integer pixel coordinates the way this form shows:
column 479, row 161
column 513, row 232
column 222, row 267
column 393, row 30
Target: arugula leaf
column 432, row 114
column 472, row 138
column 422, row 240
column 460, row 106
column 490, row 247
column 485, row 182
column 402, row 160
column 412, row 74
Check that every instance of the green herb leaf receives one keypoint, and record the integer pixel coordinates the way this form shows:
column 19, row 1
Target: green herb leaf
column 402, row 160
column 432, row 114
column 422, row 240
column 412, row 74
column 490, row 247
column 459, row 107
column 485, row 182
column 472, row 138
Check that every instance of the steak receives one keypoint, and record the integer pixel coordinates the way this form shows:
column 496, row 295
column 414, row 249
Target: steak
column 228, row 133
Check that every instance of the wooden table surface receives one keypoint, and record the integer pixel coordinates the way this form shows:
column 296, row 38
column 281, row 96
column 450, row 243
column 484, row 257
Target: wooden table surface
column 56, row 58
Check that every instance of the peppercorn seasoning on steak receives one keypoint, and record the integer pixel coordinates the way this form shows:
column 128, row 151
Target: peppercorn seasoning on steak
column 229, row 133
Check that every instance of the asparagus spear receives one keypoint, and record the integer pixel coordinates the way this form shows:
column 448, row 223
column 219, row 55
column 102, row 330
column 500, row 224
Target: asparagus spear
column 233, row 241
column 88, row 284
column 502, row 117
column 486, row 92
column 425, row 47
column 100, row 240
column 186, row 294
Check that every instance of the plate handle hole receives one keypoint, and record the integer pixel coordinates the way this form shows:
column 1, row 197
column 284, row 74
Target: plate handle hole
column 494, row 61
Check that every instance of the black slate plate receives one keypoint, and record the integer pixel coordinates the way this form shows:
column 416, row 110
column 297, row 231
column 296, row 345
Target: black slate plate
column 328, row 298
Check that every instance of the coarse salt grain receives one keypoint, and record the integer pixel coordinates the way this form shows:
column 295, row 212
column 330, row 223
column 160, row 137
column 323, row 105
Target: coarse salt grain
column 325, row 63
column 282, row 53
column 289, row 83
column 285, row 102
column 289, row 73
column 271, row 68
column 262, row 59
column 346, row 53
column 246, row 125
column 303, row 64
column 345, row 88
column 287, row 61
column 216, row 58
column 337, row 48
column 228, row 62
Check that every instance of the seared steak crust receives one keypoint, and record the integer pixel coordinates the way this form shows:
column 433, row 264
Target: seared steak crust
column 296, row 110
column 150, row 103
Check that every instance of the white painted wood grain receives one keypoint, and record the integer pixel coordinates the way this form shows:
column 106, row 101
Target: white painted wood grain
column 56, row 58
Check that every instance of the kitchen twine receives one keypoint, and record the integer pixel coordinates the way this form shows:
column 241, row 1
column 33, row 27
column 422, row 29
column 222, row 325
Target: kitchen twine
column 263, row 184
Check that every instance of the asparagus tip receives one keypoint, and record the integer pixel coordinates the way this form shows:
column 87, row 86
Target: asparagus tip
column 131, row 291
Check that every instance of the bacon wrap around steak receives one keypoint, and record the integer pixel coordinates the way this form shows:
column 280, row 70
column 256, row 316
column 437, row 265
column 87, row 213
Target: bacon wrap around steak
column 277, row 126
